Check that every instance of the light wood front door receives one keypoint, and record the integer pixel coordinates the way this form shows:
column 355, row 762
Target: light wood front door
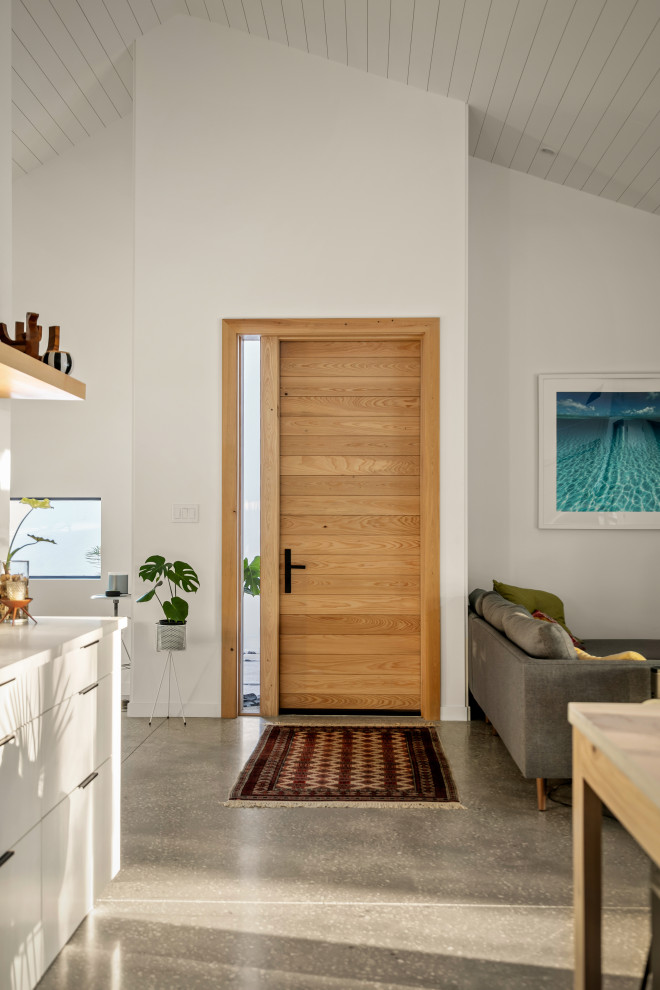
column 350, row 633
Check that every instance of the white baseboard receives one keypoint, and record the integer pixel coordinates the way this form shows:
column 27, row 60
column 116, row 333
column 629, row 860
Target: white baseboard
column 142, row 709
column 454, row 713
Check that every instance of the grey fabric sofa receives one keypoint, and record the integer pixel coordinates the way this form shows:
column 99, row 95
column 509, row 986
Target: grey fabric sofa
column 526, row 698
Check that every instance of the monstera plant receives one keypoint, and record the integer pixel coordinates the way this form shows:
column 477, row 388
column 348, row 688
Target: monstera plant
column 172, row 576
column 252, row 576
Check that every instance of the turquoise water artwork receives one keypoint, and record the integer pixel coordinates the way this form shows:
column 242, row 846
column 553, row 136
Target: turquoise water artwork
column 608, row 451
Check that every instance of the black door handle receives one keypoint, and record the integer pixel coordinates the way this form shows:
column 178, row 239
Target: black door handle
column 288, row 566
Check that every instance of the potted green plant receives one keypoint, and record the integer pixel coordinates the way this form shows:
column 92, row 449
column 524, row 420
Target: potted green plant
column 252, row 576
column 15, row 586
column 170, row 631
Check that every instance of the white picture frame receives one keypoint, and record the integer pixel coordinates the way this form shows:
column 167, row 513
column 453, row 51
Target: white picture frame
column 596, row 453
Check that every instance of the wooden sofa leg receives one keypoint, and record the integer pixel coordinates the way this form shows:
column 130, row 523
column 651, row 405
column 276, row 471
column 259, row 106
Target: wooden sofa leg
column 540, row 793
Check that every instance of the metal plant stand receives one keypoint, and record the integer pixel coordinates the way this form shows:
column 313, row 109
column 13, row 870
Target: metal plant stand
column 170, row 668
column 170, row 639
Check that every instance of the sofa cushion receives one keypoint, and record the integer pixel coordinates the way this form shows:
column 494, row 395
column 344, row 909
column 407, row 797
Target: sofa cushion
column 476, row 600
column 543, row 640
column 495, row 608
column 535, row 600
column 548, row 618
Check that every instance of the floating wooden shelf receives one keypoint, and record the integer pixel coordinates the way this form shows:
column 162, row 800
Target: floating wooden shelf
column 23, row 377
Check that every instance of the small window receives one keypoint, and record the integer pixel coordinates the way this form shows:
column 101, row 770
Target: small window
column 74, row 524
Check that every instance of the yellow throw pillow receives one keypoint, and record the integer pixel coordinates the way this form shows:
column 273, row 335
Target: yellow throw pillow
column 628, row 655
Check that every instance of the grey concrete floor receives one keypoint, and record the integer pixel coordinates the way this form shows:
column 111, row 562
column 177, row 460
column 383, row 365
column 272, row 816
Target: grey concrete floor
column 346, row 898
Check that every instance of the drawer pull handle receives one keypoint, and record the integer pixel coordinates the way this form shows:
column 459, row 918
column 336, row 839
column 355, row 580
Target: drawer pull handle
column 6, row 856
column 89, row 688
column 10, row 681
column 87, row 781
column 7, row 739
column 93, row 643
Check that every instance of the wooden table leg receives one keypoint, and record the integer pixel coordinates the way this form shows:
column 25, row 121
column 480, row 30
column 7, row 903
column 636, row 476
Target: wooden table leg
column 587, row 879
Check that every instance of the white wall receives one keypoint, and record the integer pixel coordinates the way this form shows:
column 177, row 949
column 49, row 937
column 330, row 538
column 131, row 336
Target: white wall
column 6, row 138
column 269, row 183
column 6, row 306
column 73, row 264
column 559, row 282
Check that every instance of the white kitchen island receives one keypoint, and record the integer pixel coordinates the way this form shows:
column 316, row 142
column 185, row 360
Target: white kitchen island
column 60, row 758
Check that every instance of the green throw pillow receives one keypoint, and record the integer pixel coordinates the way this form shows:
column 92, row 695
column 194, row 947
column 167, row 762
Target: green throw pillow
column 535, row 601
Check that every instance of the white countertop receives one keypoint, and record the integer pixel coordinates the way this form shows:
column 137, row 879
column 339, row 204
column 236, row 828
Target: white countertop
column 629, row 735
column 40, row 643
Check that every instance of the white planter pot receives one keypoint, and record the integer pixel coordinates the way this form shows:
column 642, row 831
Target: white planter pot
column 170, row 638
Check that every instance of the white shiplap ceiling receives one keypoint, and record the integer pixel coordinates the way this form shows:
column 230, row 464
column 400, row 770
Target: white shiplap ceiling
column 567, row 90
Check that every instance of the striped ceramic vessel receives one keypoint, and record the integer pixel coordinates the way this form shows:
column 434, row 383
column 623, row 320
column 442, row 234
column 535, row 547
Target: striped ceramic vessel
column 60, row 360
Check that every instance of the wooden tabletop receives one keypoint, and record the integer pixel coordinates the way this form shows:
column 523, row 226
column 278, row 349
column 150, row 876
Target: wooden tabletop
column 629, row 735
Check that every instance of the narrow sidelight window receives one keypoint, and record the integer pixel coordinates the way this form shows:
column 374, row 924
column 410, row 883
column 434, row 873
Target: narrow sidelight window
column 250, row 522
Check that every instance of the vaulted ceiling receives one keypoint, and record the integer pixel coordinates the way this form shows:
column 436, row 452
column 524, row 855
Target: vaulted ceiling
column 567, row 90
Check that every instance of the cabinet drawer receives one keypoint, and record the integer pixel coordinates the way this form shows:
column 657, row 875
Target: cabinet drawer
column 76, row 737
column 21, row 934
column 76, row 857
column 68, row 749
column 69, row 673
column 19, row 700
column 20, row 768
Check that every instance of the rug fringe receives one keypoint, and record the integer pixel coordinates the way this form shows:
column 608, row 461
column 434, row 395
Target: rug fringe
column 435, row 805
column 349, row 721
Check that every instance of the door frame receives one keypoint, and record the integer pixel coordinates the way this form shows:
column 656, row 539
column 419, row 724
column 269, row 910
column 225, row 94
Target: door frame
column 427, row 331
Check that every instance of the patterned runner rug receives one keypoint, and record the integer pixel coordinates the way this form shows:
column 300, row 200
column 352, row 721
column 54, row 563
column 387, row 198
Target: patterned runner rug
column 341, row 766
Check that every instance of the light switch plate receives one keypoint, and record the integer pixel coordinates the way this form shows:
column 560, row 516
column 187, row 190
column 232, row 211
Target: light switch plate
column 185, row 512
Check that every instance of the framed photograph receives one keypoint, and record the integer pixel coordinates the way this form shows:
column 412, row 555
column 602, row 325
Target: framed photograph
column 599, row 451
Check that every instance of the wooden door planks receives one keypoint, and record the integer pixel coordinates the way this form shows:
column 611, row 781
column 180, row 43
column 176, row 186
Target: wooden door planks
column 339, row 405
column 404, row 663
column 356, row 425
column 340, row 504
column 336, row 445
column 363, row 583
column 302, row 604
column 350, row 510
column 368, row 543
column 341, row 563
column 317, row 385
column 343, row 644
column 351, row 367
column 364, row 526
column 352, row 348
column 339, row 702
column 356, row 625
column 349, row 484
column 332, row 465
